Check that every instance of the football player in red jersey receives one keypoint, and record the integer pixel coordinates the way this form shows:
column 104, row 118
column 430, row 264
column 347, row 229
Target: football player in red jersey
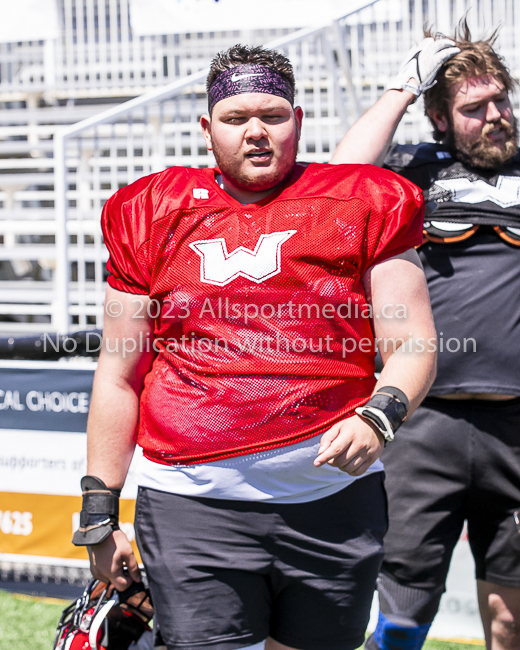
column 241, row 314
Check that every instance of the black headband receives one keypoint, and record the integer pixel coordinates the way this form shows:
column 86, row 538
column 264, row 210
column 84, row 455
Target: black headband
column 249, row 79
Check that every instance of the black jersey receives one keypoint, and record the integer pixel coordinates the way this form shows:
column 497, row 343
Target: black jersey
column 471, row 258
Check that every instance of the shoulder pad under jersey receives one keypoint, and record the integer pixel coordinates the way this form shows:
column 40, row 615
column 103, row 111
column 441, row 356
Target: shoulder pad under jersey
column 414, row 155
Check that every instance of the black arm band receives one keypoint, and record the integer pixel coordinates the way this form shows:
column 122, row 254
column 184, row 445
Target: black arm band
column 387, row 409
column 99, row 515
column 394, row 404
column 395, row 392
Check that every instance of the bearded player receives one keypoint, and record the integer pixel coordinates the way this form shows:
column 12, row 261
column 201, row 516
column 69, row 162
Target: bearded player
column 459, row 457
column 251, row 390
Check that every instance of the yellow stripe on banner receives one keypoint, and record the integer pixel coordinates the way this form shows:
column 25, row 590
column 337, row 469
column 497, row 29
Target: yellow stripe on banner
column 43, row 525
column 479, row 642
column 40, row 599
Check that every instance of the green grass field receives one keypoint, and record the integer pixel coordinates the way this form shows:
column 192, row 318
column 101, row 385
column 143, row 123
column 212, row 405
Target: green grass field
column 28, row 623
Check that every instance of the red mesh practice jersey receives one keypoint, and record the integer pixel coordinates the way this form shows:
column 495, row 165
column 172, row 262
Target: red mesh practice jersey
column 263, row 330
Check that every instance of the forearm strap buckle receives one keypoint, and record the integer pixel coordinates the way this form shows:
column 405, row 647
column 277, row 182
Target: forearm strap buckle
column 99, row 515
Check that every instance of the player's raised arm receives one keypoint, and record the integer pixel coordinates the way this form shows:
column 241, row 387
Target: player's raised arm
column 125, row 359
column 367, row 141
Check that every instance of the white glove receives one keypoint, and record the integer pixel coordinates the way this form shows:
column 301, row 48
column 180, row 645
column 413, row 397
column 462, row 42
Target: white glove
column 419, row 69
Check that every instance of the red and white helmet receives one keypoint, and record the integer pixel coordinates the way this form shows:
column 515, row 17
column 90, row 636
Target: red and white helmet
column 104, row 619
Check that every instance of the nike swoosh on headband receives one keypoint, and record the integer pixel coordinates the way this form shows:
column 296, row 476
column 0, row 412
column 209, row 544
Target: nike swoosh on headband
column 249, row 78
column 237, row 77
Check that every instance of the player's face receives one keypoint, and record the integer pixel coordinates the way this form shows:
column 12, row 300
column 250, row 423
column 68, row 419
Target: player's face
column 254, row 137
column 480, row 123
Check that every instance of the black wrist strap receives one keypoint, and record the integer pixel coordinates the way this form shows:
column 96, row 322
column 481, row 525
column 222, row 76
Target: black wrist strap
column 99, row 515
column 387, row 409
column 395, row 392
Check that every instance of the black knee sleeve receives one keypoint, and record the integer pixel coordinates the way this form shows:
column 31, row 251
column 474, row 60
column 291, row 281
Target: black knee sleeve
column 405, row 615
column 407, row 605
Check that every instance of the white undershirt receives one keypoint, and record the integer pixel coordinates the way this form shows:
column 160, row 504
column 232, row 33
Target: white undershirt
column 283, row 475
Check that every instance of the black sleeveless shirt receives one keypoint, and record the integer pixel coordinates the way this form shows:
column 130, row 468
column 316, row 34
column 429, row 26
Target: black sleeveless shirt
column 471, row 258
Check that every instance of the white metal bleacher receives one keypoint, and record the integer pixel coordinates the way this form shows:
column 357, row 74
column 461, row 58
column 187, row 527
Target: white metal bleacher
column 60, row 162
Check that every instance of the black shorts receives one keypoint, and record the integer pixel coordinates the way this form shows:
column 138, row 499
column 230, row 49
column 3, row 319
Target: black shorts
column 227, row 574
column 454, row 460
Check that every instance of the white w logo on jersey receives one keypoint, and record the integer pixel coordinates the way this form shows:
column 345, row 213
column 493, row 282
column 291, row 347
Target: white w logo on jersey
column 505, row 194
column 219, row 267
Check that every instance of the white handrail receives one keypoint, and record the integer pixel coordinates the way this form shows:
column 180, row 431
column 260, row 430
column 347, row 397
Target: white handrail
column 61, row 277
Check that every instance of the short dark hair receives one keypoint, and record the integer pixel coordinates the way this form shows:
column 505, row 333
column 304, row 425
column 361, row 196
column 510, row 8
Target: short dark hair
column 247, row 54
column 475, row 59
